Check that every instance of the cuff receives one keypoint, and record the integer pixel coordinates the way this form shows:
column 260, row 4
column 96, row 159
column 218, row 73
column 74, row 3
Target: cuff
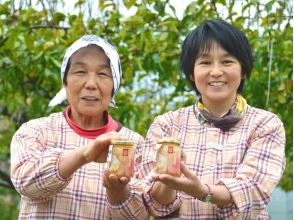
column 232, row 208
column 125, row 203
column 157, row 209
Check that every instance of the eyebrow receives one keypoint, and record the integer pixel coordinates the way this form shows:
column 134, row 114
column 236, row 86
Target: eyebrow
column 204, row 55
column 84, row 64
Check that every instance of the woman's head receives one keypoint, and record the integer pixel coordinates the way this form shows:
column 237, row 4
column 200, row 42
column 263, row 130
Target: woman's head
column 107, row 49
column 89, row 82
column 204, row 37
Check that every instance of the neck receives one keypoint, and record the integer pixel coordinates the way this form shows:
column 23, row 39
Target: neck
column 87, row 122
column 218, row 114
column 218, row 109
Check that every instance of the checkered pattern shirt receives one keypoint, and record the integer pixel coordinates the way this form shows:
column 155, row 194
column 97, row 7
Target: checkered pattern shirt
column 249, row 160
column 35, row 152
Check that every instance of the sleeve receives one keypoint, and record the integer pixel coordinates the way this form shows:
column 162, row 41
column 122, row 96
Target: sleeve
column 133, row 207
column 139, row 203
column 161, row 127
column 259, row 173
column 34, row 163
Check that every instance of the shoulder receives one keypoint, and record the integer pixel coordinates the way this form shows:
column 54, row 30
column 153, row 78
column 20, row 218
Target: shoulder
column 130, row 134
column 176, row 116
column 262, row 116
column 42, row 123
column 263, row 122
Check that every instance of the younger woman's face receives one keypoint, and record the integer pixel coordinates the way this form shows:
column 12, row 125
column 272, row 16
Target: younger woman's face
column 217, row 76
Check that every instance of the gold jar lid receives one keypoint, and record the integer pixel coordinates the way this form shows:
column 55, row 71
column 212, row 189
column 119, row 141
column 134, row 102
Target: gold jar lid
column 122, row 142
column 169, row 140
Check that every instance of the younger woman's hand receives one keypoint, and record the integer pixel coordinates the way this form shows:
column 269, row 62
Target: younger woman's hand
column 188, row 182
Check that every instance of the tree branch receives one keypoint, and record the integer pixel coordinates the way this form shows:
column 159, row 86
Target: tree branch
column 49, row 26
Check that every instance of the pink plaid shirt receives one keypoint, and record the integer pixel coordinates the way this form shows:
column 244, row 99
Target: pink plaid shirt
column 35, row 152
column 249, row 160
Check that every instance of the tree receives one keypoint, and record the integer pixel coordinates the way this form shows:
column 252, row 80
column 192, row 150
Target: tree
column 33, row 41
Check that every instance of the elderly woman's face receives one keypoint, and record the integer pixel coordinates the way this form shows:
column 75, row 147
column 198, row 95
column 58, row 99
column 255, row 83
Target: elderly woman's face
column 89, row 82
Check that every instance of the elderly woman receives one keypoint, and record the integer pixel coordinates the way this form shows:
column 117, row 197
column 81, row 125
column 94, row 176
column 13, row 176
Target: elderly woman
column 57, row 162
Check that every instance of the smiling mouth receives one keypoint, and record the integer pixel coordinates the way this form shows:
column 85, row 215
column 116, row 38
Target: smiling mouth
column 90, row 99
column 217, row 84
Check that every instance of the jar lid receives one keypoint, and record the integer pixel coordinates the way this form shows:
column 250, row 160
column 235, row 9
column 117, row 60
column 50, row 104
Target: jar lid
column 122, row 142
column 169, row 140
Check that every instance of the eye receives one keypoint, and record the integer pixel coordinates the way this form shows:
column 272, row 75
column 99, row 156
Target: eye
column 102, row 74
column 204, row 62
column 79, row 72
column 228, row 61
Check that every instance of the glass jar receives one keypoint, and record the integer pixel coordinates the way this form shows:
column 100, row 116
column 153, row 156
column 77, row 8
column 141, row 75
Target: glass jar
column 168, row 156
column 122, row 153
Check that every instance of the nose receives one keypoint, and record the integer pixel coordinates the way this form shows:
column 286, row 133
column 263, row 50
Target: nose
column 91, row 82
column 216, row 71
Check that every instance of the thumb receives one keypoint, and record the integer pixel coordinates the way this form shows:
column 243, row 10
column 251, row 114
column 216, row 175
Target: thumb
column 186, row 171
column 183, row 156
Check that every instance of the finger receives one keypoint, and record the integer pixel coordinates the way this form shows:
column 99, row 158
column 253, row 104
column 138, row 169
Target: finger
column 104, row 156
column 103, row 141
column 155, row 177
column 105, row 180
column 113, row 178
column 113, row 136
column 124, row 180
column 117, row 183
column 183, row 156
column 107, row 172
column 171, row 181
column 186, row 171
column 110, row 182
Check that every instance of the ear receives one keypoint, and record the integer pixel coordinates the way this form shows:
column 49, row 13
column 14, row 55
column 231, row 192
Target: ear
column 192, row 77
column 243, row 76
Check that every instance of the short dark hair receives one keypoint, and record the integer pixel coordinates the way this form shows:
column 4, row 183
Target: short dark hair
column 227, row 36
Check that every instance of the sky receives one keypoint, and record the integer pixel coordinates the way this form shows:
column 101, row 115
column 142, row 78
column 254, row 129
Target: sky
column 179, row 6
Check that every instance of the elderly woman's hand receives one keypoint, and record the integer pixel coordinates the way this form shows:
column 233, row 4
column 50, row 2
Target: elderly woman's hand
column 97, row 150
column 116, row 187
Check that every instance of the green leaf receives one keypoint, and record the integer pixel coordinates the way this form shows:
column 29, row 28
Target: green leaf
column 129, row 3
column 58, row 17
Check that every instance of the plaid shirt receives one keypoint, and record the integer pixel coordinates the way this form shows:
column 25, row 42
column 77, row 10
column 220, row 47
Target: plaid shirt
column 249, row 160
column 35, row 152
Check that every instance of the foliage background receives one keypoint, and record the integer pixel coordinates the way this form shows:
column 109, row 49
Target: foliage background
column 35, row 34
